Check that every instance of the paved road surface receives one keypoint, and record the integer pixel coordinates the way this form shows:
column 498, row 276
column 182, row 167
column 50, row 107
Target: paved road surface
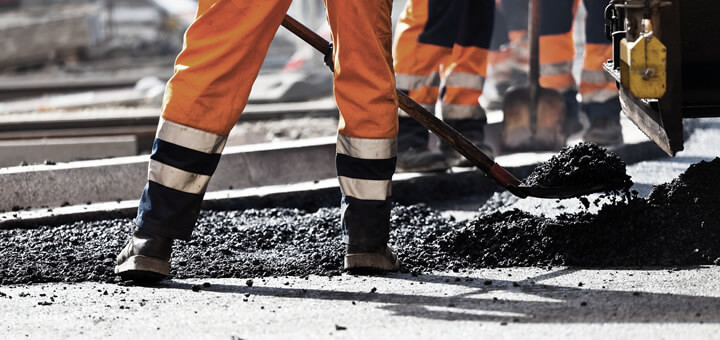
column 501, row 303
column 517, row 303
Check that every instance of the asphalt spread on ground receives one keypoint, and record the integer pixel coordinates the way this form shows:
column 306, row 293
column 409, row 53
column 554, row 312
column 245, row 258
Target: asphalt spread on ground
column 677, row 225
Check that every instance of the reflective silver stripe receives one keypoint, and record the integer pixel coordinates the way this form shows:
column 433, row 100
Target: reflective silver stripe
column 429, row 107
column 365, row 189
column 596, row 77
column 414, row 82
column 556, row 69
column 177, row 179
column 454, row 111
column 366, row 148
column 598, row 96
column 190, row 138
column 465, row 80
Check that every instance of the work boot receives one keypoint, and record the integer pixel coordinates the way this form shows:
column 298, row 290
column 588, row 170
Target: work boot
column 473, row 130
column 146, row 257
column 371, row 259
column 495, row 102
column 604, row 131
column 516, row 78
column 421, row 159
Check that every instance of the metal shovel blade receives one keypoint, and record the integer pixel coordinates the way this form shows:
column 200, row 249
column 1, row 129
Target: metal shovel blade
column 524, row 130
column 533, row 115
column 558, row 192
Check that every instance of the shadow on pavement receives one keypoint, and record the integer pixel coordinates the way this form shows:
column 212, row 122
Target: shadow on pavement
column 524, row 301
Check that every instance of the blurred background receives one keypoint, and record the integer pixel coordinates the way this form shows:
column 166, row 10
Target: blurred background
column 84, row 79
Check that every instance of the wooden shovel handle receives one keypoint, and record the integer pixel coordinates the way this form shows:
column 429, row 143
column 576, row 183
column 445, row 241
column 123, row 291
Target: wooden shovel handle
column 445, row 132
column 307, row 35
column 419, row 113
column 534, row 42
column 534, row 72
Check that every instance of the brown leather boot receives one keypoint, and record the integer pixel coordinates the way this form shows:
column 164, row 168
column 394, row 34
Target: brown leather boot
column 421, row 160
column 146, row 257
column 371, row 259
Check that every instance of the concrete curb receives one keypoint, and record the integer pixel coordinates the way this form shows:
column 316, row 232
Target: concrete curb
column 123, row 178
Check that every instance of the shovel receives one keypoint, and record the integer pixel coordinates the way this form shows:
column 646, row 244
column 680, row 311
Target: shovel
column 533, row 115
column 499, row 174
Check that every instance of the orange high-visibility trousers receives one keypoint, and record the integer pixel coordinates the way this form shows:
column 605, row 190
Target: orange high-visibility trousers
column 509, row 54
column 557, row 51
column 441, row 53
column 223, row 51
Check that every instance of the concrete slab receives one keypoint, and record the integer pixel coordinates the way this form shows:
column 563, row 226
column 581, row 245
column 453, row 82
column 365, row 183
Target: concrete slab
column 32, row 151
column 124, row 178
column 510, row 303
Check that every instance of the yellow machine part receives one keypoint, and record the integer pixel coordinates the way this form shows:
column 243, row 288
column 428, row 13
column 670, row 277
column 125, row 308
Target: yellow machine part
column 642, row 70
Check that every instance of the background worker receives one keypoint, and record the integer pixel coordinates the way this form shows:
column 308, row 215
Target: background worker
column 509, row 50
column 441, row 53
column 224, row 49
column 598, row 91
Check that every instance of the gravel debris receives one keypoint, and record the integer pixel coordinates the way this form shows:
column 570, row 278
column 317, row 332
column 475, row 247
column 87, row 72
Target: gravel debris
column 582, row 164
column 677, row 225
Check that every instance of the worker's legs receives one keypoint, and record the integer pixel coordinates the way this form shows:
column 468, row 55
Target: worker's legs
column 516, row 17
column 367, row 139
column 464, row 74
column 557, row 51
column 508, row 56
column 224, row 49
column 500, row 59
column 597, row 88
column 417, row 69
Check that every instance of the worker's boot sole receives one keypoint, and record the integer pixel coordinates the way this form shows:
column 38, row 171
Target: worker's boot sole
column 370, row 262
column 143, row 268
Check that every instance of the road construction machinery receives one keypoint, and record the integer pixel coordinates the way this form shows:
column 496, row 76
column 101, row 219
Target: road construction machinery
column 666, row 61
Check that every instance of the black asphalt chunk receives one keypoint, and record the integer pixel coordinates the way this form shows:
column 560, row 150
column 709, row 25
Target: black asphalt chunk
column 677, row 225
column 582, row 164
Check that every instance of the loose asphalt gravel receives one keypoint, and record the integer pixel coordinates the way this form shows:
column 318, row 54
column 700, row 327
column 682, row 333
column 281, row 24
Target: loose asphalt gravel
column 676, row 225
column 584, row 164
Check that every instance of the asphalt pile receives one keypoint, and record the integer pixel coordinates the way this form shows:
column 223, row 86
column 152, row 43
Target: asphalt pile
column 582, row 164
column 677, row 225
